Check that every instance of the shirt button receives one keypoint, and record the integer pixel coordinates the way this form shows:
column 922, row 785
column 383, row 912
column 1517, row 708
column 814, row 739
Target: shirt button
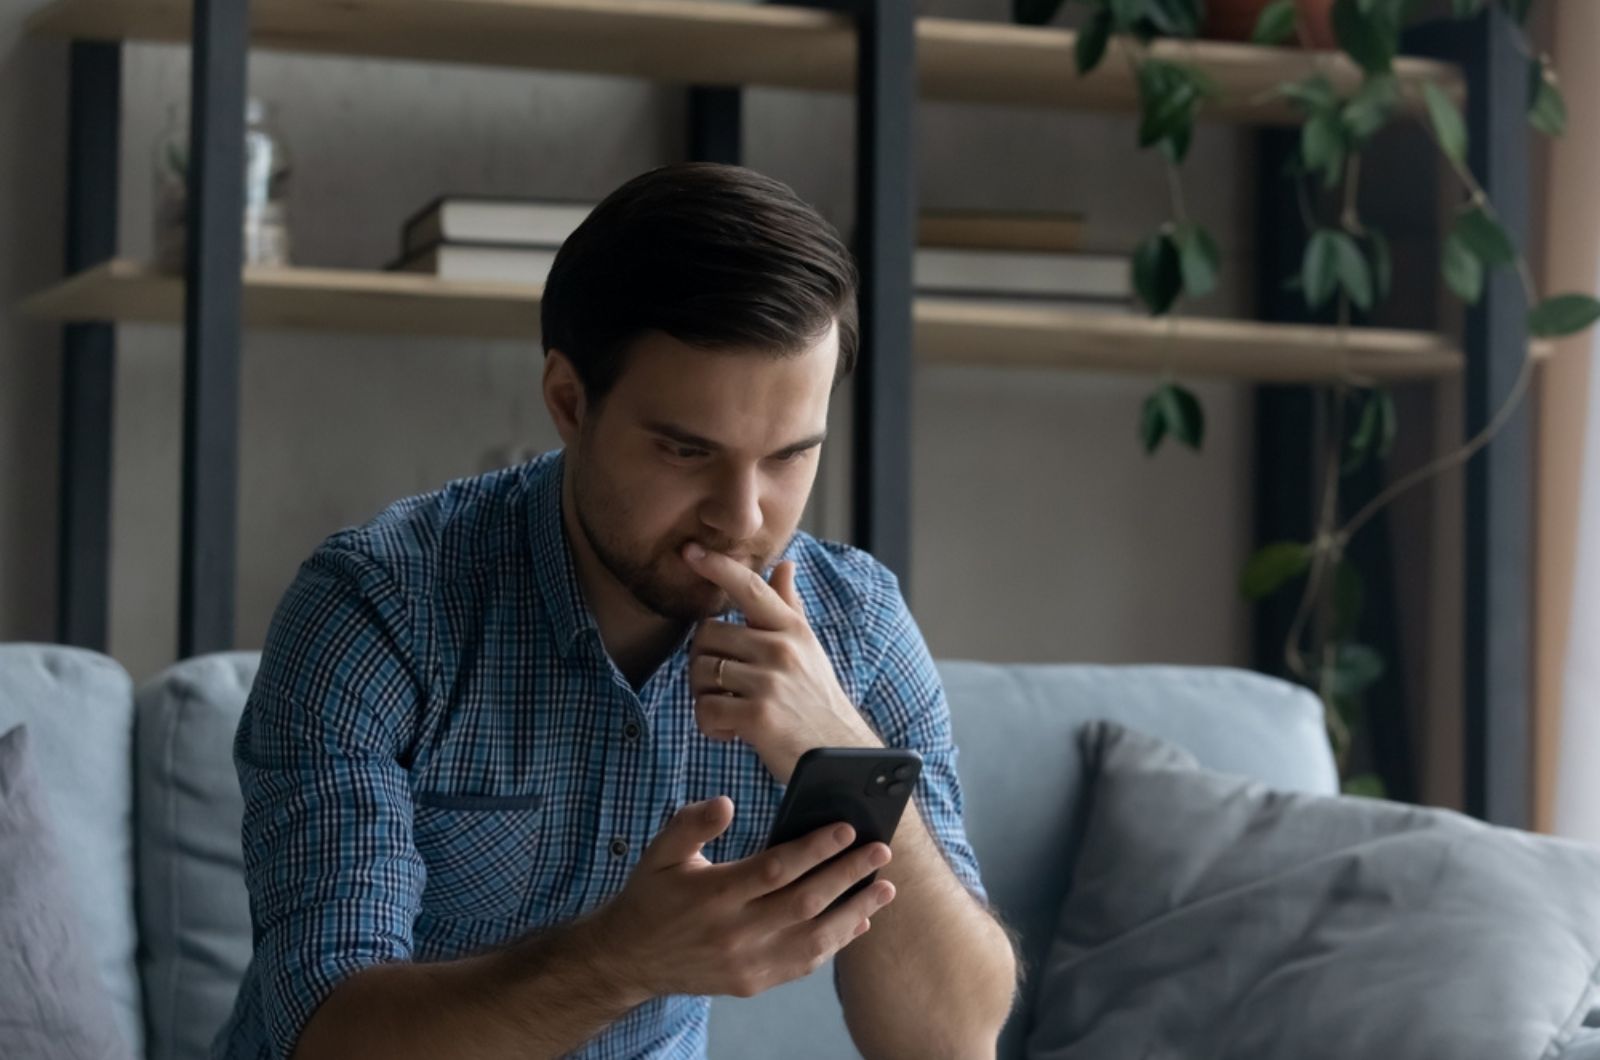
column 631, row 730
column 619, row 847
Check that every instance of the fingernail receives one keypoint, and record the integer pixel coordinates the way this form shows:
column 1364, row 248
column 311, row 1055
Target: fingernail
column 842, row 834
column 861, row 928
column 879, row 857
column 694, row 551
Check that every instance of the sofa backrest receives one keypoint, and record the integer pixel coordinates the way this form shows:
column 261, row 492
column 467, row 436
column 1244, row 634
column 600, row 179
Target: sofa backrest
column 1020, row 767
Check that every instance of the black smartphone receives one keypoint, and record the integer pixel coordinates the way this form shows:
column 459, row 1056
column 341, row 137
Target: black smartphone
column 864, row 787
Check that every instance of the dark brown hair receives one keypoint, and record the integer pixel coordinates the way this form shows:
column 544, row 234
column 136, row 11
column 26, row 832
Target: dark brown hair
column 715, row 256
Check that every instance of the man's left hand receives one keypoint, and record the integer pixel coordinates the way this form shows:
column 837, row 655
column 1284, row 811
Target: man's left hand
column 778, row 691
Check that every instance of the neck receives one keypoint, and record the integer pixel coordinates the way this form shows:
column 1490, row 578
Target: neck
column 637, row 639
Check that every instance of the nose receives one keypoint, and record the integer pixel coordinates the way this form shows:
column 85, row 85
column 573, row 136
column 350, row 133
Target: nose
column 734, row 508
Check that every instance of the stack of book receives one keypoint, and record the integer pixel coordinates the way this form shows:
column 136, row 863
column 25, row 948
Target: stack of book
column 464, row 237
column 1025, row 260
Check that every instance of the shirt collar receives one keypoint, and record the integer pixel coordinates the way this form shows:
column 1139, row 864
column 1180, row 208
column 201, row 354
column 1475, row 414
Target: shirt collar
column 552, row 555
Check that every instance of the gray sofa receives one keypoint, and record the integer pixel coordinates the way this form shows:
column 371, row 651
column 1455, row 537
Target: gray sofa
column 144, row 798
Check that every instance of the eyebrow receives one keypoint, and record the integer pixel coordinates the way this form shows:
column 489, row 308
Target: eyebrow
column 683, row 437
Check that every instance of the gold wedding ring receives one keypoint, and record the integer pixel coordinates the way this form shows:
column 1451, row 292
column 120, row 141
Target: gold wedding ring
column 722, row 660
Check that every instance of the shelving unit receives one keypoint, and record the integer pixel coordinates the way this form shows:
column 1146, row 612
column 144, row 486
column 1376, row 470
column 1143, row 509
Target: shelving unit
column 889, row 59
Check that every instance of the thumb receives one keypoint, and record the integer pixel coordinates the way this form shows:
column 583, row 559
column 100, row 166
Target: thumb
column 690, row 829
column 783, row 583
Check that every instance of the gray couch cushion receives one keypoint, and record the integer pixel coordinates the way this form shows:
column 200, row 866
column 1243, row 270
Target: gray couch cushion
column 78, row 706
column 1023, row 781
column 1213, row 916
column 194, row 913
column 54, row 1005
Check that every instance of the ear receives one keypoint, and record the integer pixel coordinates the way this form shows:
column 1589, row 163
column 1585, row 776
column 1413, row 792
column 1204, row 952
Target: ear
column 564, row 396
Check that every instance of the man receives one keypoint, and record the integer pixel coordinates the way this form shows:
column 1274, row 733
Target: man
column 508, row 776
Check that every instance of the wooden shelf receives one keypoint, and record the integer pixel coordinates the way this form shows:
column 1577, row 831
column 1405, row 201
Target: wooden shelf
column 946, row 331
column 714, row 42
column 374, row 303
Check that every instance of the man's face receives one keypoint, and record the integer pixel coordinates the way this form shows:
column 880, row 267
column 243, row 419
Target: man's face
column 689, row 445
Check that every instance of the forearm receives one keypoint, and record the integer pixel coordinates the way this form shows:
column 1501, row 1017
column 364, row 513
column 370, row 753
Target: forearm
column 936, row 975
column 541, row 996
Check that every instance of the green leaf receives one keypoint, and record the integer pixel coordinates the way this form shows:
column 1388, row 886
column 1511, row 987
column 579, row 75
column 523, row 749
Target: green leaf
column 1168, row 98
column 1319, row 271
column 1174, row 18
column 1272, row 567
column 1176, row 146
column 1126, row 13
column 1276, row 24
column 1034, row 12
column 1463, row 272
column 1152, row 423
column 1563, row 314
column 1183, row 415
column 1198, row 258
column 1365, row 786
column 1517, row 9
column 1356, row 668
column 1157, row 273
column 1370, row 109
column 1355, row 276
column 1371, row 38
column 1485, row 238
column 1382, row 263
column 1447, row 123
column 1322, row 146
column 1092, row 41
column 1374, row 433
column 1312, row 94
column 1547, row 111
column 1388, row 425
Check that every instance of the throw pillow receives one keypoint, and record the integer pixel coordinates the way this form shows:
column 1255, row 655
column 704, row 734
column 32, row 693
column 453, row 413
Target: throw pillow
column 1210, row 916
column 54, row 1005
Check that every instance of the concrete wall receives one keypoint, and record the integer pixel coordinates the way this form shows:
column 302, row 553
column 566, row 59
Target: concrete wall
column 1042, row 531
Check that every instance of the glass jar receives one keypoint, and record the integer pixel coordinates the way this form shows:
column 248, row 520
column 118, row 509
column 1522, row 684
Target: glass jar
column 266, row 189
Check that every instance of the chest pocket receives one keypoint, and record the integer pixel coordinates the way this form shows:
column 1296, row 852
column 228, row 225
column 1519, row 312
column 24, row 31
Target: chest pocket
column 481, row 852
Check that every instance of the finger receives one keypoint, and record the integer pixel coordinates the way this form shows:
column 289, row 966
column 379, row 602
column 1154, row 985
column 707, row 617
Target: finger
column 784, row 585
column 773, row 870
column 763, row 608
column 717, row 714
column 717, row 675
column 690, row 829
column 811, row 896
column 715, row 637
column 837, row 928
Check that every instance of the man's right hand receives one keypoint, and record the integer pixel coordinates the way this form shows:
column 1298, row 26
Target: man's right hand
column 685, row 926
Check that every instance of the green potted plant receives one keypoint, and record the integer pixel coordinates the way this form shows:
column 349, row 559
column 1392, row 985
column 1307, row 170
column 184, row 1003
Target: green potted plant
column 1345, row 266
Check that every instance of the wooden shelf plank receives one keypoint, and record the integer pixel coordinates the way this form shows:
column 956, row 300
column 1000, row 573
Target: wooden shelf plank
column 964, row 333
column 714, row 42
column 374, row 303
column 946, row 331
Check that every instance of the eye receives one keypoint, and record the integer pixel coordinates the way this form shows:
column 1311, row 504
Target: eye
column 683, row 452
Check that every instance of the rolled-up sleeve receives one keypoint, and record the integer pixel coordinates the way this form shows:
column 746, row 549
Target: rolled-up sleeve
column 906, row 701
column 334, row 879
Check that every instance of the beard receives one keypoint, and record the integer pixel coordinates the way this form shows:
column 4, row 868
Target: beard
column 658, row 578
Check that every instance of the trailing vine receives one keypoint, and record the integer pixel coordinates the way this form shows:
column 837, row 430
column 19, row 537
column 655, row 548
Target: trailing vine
column 1346, row 268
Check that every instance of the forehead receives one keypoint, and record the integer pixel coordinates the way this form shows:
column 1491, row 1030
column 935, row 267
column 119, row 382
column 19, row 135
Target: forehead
column 735, row 392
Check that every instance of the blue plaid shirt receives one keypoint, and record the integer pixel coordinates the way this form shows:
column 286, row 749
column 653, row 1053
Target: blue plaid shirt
column 438, row 755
